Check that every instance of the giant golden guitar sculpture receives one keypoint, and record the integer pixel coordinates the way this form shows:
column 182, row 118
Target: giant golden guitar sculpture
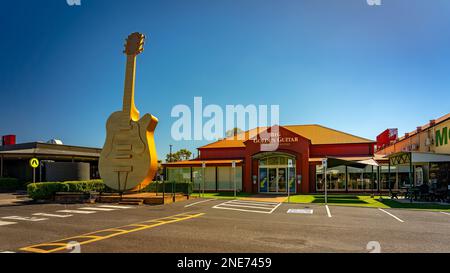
column 128, row 160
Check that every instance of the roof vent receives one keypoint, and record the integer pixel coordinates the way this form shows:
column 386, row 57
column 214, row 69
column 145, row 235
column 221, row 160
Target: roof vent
column 432, row 122
column 406, row 135
column 419, row 129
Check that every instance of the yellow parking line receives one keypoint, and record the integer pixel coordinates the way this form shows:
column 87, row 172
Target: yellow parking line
column 63, row 243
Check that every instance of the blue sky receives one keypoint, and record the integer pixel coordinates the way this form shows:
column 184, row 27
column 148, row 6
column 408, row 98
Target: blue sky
column 342, row 64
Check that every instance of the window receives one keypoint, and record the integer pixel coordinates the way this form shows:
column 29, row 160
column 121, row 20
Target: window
column 384, row 178
column 360, row 179
column 335, row 178
column 179, row 175
column 210, row 178
column 225, row 179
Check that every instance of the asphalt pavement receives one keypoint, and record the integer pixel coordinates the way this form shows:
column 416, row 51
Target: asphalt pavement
column 210, row 225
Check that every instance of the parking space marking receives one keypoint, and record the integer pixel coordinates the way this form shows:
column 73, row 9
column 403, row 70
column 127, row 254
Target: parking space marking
column 446, row 213
column 97, row 209
column 395, row 217
column 190, row 205
column 53, row 215
column 246, row 206
column 20, row 218
column 253, row 206
column 300, row 211
column 115, row 207
column 257, row 202
column 6, row 223
column 328, row 211
column 76, row 211
column 107, row 233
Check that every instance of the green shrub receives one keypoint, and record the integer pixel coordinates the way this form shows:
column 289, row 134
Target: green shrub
column 9, row 184
column 44, row 190
column 158, row 186
column 85, row 186
column 47, row 190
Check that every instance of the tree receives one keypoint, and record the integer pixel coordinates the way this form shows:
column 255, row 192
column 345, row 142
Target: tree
column 182, row 154
column 233, row 132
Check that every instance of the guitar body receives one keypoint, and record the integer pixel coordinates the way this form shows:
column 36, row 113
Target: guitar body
column 128, row 160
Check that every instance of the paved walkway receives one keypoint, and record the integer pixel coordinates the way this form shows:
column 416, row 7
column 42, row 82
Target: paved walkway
column 266, row 198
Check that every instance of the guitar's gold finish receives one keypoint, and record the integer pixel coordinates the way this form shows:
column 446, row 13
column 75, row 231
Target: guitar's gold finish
column 128, row 160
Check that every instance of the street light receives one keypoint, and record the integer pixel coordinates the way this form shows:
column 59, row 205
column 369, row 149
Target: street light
column 173, row 182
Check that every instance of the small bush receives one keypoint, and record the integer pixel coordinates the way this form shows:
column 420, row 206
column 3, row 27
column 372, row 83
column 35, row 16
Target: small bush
column 85, row 186
column 158, row 186
column 44, row 190
column 9, row 184
column 47, row 190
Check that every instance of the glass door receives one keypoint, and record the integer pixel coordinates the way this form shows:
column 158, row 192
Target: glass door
column 272, row 180
column 282, row 180
column 263, row 184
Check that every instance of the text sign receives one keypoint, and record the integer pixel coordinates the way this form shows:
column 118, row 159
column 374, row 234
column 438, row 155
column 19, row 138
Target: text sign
column 34, row 163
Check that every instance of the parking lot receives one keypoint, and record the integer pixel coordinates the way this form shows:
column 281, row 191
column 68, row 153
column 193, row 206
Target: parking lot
column 211, row 225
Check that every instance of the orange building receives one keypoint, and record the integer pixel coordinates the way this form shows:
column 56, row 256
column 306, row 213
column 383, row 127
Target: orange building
column 294, row 165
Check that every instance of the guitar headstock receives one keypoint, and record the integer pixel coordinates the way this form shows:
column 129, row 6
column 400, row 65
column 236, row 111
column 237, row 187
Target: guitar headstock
column 134, row 44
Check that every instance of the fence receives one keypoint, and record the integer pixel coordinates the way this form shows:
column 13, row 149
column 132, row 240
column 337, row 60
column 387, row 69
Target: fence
column 169, row 188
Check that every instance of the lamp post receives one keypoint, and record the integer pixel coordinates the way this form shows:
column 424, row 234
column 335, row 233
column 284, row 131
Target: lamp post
column 233, row 168
column 203, row 178
column 325, row 165
column 173, row 182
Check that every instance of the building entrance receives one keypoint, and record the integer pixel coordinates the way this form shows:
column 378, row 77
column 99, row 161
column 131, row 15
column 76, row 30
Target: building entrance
column 276, row 173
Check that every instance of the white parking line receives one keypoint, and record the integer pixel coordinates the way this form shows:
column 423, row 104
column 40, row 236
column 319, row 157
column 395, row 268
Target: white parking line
column 207, row 200
column 248, row 206
column 253, row 204
column 328, row 211
column 76, row 211
column 53, row 215
column 5, row 223
column 97, row 209
column 446, row 213
column 115, row 207
column 275, row 208
column 20, row 218
column 268, row 212
column 398, row 219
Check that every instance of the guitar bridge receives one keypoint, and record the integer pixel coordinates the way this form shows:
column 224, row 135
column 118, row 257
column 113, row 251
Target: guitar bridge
column 123, row 156
column 123, row 169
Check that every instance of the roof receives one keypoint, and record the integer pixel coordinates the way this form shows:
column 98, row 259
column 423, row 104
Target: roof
column 200, row 162
column 46, row 149
column 422, row 157
column 426, row 126
column 318, row 134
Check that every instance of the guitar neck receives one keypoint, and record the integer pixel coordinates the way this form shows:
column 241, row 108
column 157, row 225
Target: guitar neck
column 128, row 97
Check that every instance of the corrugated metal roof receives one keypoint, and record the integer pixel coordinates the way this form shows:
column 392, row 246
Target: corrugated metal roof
column 200, row 162
column 318, row 134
